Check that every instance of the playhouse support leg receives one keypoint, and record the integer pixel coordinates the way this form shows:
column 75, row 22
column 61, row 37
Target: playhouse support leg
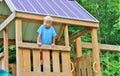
column 5, row 33
column 18, row 27
column 79, row 54
column 77, row 45
column 96, row 51
column 66, row 55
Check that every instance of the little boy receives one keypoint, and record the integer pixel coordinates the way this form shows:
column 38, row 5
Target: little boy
column 46, row 32
column 46, row 35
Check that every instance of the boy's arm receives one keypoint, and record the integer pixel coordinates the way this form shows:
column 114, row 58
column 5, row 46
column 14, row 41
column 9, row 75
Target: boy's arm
column 38, row 40
column 53, row 40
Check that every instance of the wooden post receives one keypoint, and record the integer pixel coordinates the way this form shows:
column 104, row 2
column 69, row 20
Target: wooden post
column 6, row 48
column 78, row 47
column 18, row 25
column 66, row 36
column 66, row 55
column 77, row 53
column 96, row 51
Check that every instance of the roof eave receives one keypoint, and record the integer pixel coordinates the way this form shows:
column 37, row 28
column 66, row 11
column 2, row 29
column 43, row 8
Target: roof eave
column 87, row 12
column 36, row 16
column 10, row 5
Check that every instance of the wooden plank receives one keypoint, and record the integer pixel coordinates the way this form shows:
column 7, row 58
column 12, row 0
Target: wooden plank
column 7, row 21
column 5, row 33
column 10, row 5
column 36, row 61
column 10, row 41
column 76, row 72
column 45, row 47
column 102, row 47
column 78, row 22
column 66, row 62
column 56, row 61
column 78, row 68
column 19, row 60
column 44, row 74
column 96, row 52
column 79, row 33
column 66, row 35
column 46, row 60
column 83, row 66
column 26, row 60
column 18, row 27
column 76, row 35
column 60, row 32
column 78, row 49
column 3, row 16
column 88, row 63
column 19, row 51
column 79, row 60
column 2, row 63
column 86, row 45
column 66, row 55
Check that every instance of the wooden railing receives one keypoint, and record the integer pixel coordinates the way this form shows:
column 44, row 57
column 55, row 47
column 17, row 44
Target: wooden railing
column 84, row 66
column 56, row 63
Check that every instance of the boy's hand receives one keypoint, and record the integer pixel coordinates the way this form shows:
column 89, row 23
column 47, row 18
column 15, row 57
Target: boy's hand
column 52, row 44
column 39, row 44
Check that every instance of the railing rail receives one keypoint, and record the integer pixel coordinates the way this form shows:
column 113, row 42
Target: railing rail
column 45, row 47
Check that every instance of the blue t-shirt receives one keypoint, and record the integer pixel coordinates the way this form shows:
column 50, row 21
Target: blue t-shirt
column 46, row 34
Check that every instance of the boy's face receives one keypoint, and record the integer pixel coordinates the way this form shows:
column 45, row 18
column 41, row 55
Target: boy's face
column 47, row 23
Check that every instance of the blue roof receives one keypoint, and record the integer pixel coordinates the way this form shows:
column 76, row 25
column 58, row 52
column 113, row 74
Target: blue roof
column 60, row 8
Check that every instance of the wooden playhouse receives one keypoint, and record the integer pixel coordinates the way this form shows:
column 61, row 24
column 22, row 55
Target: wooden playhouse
column 19, row 21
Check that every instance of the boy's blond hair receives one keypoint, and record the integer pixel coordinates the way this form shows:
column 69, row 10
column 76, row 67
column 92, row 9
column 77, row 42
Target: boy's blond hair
column 48, row 18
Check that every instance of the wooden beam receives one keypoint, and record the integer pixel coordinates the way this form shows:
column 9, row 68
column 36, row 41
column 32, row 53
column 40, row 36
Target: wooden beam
column 10, row 41
column 25, row 15
column 7, row 21
column 2, row 59
column 5, row 33
column 66, row 35
column 60, row 32
column 76, row 35
column 3, row 16
column 77, row 47
column 18, row 31
column 96, row 51
column 102, row 47
column 85, row 45
column 45, row 74
column 9, row 5
column 79, row 33
column 45, row 47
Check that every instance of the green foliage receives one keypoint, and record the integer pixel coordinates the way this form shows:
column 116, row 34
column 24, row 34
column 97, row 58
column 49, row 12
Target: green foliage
column 12, row 54
column 108, row 13
column 1, row 48
column 110, row 63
